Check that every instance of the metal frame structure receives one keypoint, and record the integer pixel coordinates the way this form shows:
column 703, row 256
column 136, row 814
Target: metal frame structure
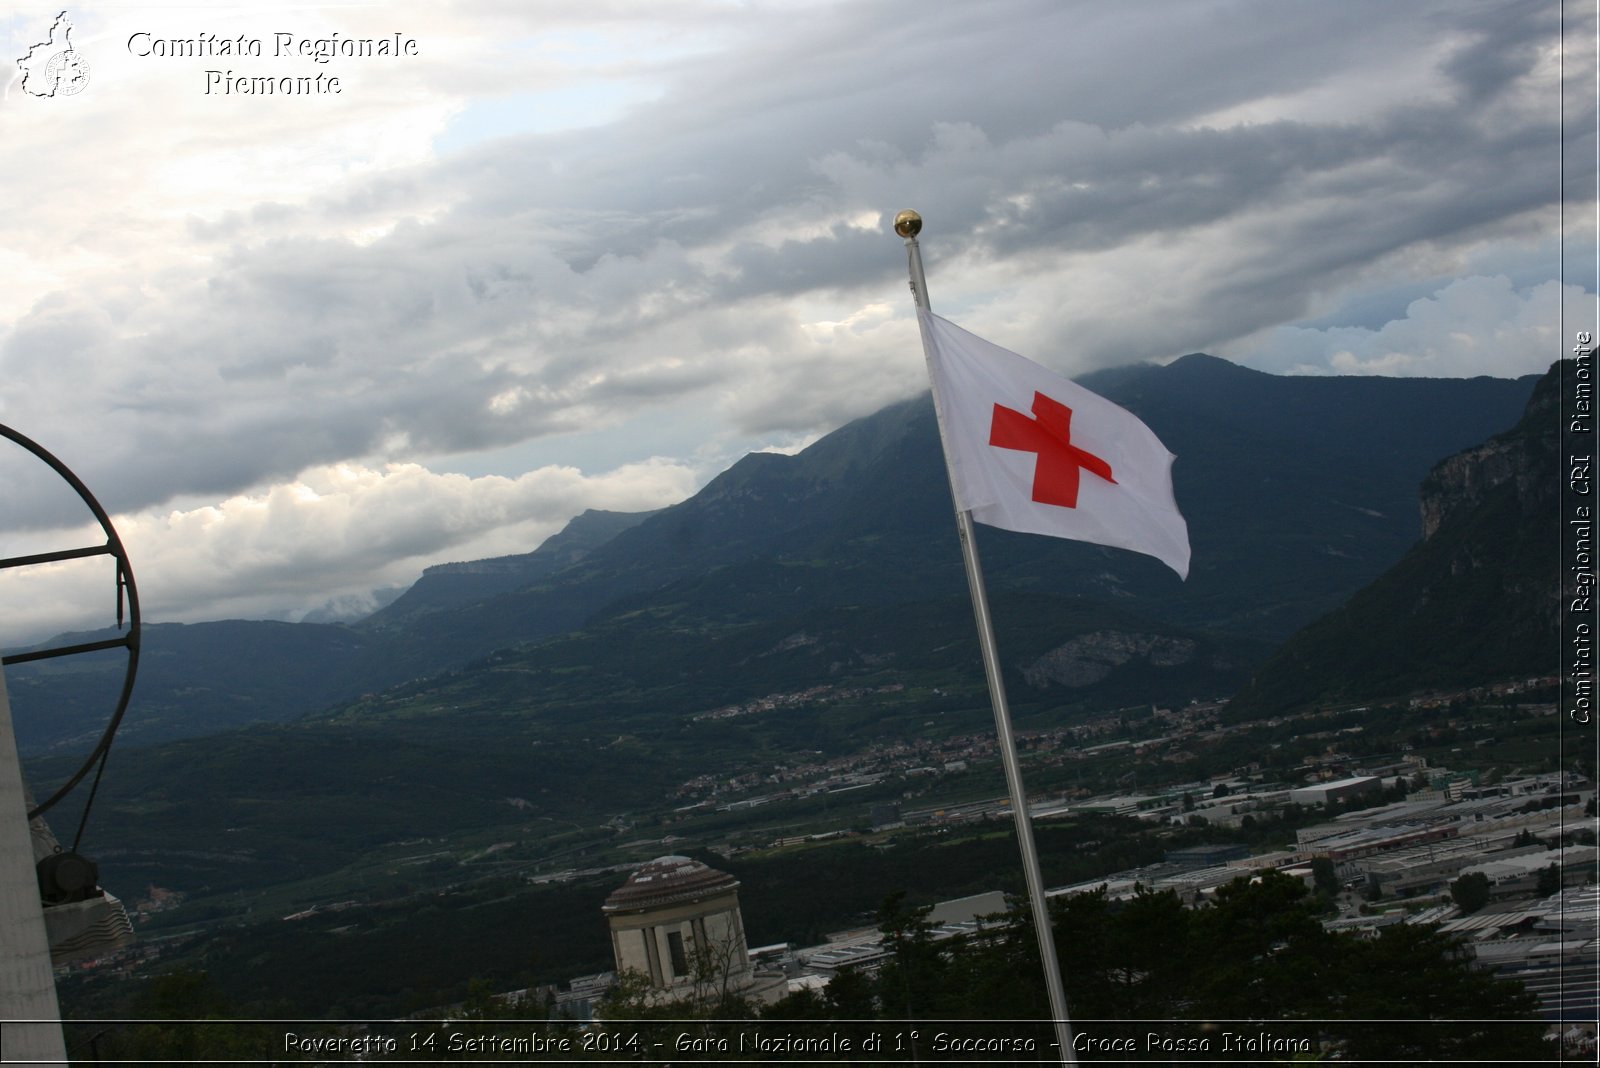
column 127, row 594
column 80, row 916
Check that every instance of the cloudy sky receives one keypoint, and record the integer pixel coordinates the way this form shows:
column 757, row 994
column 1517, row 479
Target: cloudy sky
column 564, row 256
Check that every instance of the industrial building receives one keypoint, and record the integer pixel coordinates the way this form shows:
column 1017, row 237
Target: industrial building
column 1336, row 792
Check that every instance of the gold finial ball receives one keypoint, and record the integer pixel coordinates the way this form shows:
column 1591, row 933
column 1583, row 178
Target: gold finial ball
column 908, row 223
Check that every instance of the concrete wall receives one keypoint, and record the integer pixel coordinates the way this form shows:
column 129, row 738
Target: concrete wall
column 711, row 929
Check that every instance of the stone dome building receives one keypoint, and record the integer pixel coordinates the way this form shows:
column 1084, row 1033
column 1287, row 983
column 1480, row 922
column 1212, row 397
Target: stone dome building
column 677, row 922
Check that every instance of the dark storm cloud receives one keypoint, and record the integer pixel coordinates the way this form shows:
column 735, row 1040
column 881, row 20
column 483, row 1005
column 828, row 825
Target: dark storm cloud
column 1049, row 127
column 548, row 282
column 1505, row 43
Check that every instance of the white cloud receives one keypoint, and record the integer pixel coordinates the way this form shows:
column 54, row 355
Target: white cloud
column 1472, row 326
column 336, row 531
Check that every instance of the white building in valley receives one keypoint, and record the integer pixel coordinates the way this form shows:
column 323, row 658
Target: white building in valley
column 676, row 921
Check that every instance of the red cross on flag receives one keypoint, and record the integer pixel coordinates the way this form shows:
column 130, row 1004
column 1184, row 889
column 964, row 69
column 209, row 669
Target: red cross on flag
column 1034, row 452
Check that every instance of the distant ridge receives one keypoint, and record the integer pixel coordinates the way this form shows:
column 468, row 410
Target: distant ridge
column 456, row 584
column 1206, row 364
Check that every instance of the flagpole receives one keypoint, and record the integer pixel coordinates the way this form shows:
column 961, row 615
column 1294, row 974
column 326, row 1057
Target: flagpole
column 908, row 224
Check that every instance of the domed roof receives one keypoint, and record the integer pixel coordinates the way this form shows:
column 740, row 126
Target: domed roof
column 668, row 881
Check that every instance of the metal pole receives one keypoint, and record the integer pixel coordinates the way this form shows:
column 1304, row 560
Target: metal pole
column 908, row 224
column 30, row 1016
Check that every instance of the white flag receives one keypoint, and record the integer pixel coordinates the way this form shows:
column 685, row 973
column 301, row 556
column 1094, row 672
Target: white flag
column 1034, row 452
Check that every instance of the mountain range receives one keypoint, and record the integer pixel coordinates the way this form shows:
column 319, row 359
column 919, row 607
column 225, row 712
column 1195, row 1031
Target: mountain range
column 1298, row 492
column 799, row 608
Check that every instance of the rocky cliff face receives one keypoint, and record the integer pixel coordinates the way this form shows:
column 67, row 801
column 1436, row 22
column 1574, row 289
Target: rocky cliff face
column 1091, row 658
column 1521, row 455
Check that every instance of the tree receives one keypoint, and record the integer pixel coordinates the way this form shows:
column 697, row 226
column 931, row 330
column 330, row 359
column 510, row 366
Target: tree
column 714, row 967
column 1258, row 951
column 1549, row 880
column 709, row 994
column 910, row 980
column 170, row 1004
column 1409, row 974
column 1470, row 892
column 1325, row 876
column 482, row 1003
column 629, row 998
column 850, row 996
column 804, row 1004
column 1266, row 946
